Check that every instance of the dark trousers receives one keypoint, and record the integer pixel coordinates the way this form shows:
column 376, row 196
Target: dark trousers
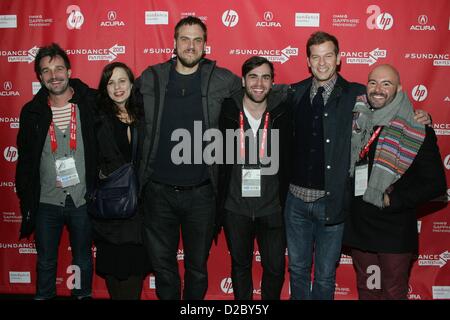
column 50, row 221
column 166, row 210
column 240, row 232
column 128, row 289
column 382, row 276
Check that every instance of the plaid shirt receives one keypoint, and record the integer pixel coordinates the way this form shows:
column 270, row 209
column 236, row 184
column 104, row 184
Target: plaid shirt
column 311, row 195
column 328, row 88
column 307, row 195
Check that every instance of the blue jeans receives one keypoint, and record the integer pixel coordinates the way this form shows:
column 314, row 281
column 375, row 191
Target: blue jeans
column 308, row 235
column 50, row 221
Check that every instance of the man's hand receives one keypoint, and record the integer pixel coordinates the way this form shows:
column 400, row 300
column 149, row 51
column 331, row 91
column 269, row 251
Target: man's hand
column 386, row 200
column 422, row 117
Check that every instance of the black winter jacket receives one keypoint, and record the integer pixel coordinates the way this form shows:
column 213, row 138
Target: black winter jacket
column 394, row 229
column 216, row 85
column 280, row 118
column 35, row 119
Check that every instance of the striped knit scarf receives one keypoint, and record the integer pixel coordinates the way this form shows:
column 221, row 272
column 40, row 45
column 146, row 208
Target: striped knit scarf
column 397, row 146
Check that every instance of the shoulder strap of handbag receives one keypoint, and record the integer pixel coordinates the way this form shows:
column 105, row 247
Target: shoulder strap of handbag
column 134, row 141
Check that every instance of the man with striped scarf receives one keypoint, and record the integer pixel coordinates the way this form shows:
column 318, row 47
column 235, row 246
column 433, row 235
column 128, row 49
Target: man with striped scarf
column 396, row 166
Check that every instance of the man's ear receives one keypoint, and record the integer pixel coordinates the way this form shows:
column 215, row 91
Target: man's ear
column 399, row 88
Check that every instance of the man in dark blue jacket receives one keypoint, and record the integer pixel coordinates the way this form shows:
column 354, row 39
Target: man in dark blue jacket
column 314, row 215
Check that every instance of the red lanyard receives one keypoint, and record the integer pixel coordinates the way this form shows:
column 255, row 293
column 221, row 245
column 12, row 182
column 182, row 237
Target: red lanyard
column 73, row 131
column 264, row 135
column 364, row 151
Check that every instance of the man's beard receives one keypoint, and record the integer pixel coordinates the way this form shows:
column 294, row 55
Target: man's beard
column 188, row 64
column 250, row 96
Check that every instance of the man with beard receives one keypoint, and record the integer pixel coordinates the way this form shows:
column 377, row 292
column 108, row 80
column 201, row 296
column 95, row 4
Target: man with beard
column 251, row 194
column 396, row 166
column 56, row 169
column 183, row 93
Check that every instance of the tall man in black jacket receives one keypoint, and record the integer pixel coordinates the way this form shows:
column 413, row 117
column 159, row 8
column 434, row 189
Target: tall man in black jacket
column 184, row 93
column 252, row 193
column 56, row 169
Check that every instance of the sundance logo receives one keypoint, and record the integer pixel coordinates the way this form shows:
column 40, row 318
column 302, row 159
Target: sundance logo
column 10, row 154
column 304, row 19
column 440, row 260
column 226, row 285
column 156, row 17
column 13, row 121
column 8, row 21
column 8, row 90
column 112, row 20
column 441, row 292
column 230, row 18
column 364, row 57
column 439, row 59
column 419, row 93
column 377, row 19
column 19, row 277
column 75, row 19
column 273, row 55
column 99, row 53
column 441, row 129
column 268, row 21
column 20, row 55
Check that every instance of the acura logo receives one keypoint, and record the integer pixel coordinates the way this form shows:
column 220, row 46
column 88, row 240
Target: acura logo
column 268, row 16
column 112, row 15
column 7, row 85
column 423, row 19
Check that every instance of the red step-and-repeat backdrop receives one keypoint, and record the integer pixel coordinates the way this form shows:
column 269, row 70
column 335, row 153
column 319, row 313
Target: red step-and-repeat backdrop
column 413, row 35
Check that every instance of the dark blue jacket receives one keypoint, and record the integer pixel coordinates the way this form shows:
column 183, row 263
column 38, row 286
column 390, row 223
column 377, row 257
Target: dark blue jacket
column 337, row 131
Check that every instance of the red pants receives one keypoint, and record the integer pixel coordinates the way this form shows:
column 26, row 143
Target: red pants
column 382, row 276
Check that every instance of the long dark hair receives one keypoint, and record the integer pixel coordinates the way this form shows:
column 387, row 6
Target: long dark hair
column 106, row 104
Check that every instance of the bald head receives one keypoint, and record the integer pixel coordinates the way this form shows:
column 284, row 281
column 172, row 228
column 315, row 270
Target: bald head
column 382, row 85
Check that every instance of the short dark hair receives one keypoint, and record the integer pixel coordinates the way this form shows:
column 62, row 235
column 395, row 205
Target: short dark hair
column 51, row 51
column 190, row 20
column 106, row 104
column 254, row 62
column 320, row 37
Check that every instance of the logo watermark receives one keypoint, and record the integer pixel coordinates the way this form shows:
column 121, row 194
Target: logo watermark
column 212, row 153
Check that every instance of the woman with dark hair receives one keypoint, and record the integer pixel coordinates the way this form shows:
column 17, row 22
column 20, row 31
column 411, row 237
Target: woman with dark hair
column 120, row 259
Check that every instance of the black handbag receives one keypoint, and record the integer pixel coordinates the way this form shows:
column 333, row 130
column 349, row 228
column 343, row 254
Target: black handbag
column 116, row 196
